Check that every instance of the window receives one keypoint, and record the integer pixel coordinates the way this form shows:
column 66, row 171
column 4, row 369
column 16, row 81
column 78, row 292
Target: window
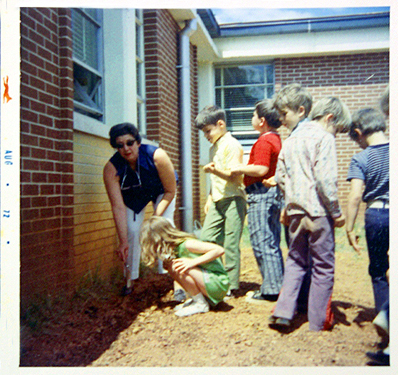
column 238, row 88
column 88, row 62
column 140, row 70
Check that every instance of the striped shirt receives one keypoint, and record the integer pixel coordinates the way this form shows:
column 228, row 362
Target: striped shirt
column 372, row 166
column 307, row 171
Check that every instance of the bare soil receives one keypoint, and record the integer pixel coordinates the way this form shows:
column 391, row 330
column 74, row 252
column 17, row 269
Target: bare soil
column 100, row 328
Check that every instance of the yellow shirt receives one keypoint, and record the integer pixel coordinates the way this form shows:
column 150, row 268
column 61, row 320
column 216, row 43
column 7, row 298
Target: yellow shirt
column 226, row 153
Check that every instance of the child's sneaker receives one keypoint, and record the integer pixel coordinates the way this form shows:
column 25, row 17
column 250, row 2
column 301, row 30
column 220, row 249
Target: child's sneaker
column 230, row 294
column 185, row 304
column 258, row 298
column 180, row 295
column 381, row 321
column 193, row 308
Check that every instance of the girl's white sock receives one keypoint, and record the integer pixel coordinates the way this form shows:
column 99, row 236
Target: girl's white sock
column 200, row 298
column 199, row 305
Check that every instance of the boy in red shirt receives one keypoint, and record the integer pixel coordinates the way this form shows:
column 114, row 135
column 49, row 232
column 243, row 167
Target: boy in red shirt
column 264, row 202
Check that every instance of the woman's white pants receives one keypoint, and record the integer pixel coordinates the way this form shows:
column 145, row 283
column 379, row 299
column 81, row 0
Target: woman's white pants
column 134, row 222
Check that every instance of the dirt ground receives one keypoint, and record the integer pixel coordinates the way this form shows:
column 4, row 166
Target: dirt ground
column 102, row 329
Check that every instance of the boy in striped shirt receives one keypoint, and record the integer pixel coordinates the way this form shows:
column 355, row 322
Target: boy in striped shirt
column 370, row 170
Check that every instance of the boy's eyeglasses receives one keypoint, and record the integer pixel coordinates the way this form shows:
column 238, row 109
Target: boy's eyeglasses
column 128, row 143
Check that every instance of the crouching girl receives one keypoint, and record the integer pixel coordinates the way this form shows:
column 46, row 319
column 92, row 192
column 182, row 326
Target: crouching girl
column 194, row 264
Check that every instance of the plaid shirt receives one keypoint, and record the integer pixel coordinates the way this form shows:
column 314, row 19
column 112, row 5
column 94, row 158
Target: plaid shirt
column 307, row 171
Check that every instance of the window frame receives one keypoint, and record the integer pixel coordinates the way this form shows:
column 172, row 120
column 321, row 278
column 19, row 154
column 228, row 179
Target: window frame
column 89, row 107
column 140, row 71
column 241, row 134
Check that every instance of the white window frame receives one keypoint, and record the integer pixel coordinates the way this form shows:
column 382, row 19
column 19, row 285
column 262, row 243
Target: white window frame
column 140, row 69
column 88, row 107
column 249, row 133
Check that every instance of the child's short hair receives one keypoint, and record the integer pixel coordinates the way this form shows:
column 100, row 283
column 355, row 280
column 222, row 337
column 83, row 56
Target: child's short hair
column 368, row 121
column 209, row 116
column 385, row 101
column 265, row 108
column 331, row 105
column 293, row 96
column 123, row 129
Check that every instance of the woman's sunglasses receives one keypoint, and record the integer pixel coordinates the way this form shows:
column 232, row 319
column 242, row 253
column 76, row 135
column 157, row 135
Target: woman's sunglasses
column 128, row 143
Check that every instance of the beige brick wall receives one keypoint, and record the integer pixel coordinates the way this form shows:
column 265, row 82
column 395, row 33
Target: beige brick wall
column 95, row 236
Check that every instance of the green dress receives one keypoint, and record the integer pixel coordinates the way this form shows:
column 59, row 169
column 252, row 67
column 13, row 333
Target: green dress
column 214, row 275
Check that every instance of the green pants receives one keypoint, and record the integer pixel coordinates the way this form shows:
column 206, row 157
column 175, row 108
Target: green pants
column 223, row 225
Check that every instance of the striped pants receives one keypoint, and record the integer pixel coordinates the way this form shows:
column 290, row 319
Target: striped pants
column 265, row 235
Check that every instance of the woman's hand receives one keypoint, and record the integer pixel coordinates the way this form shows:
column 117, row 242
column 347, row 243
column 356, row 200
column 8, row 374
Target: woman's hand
column 122, row 251
column 182, row 265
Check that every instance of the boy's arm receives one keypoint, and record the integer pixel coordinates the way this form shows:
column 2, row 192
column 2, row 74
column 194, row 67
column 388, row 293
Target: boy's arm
column 354, row 200
column 325, row 170
column 208, row 203
column 233, row 157
column 280, row 173
column 252, row 170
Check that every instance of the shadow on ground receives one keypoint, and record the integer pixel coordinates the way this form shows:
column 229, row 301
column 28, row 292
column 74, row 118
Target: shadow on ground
column 88, row 326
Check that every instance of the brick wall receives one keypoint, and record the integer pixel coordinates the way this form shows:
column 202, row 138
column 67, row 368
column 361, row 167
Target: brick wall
column 95, row 238
column 161, row 60
column 46, row 150
column 357, row 79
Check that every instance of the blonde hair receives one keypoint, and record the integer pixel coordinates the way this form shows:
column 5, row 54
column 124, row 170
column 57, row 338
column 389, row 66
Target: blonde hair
column 159, row 238
column 293, row 96
column 332, row 105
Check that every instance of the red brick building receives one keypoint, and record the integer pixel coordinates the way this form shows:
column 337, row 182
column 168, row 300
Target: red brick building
column 67, row 228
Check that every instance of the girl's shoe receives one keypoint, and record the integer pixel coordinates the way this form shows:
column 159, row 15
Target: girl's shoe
column 180, row 295
column 185, row 304
column 193, row 308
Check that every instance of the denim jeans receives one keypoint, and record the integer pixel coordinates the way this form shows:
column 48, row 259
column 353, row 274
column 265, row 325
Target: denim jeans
column 377, row 222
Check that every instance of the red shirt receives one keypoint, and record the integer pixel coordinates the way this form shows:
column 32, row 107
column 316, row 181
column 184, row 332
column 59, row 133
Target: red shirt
column 264, row 152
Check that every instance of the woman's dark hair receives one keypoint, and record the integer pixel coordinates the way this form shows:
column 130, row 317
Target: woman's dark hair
column 123, row 129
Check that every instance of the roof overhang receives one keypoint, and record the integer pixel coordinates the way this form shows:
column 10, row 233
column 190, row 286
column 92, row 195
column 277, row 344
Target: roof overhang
column 303, row 44
column 207, row 50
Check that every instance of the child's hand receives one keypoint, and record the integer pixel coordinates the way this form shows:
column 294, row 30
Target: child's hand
column 206, row 207
column 167, row 264
column 339, row 221
column 284, row 219
column 353, row 239
column 209, row 168
column 182, row 265
column 269, row 182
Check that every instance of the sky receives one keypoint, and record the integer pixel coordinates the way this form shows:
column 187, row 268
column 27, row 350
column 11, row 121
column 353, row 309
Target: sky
column 231, row 15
